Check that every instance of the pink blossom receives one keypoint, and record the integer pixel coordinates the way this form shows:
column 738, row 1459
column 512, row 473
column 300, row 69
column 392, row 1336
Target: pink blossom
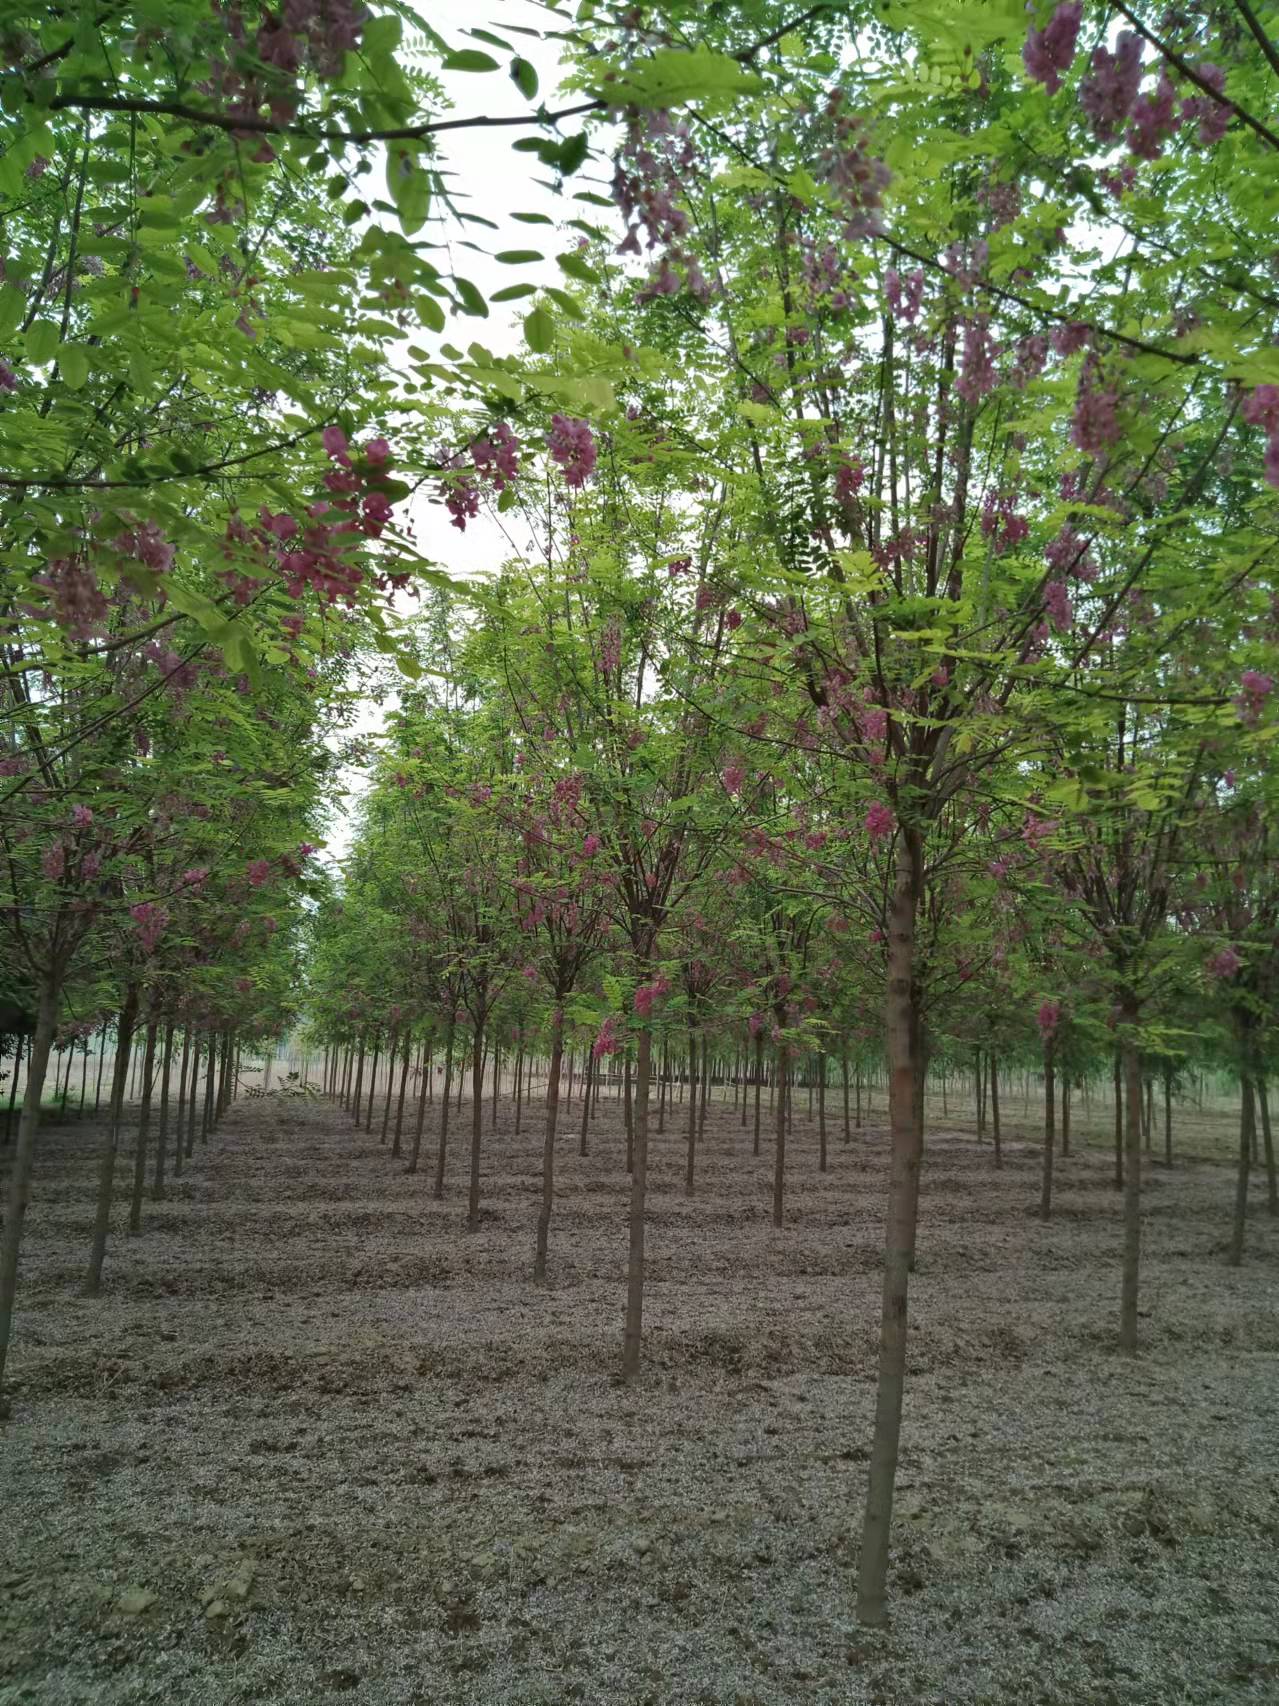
column 335, row 443
column 607, row 1042
column 572, row 445
column 1154, row 120
column 905, row 304
column 1110, row 88
column 1057, row 605
column 733, row 619
column 1254, row 689
column 1047, row 53
column 1048, row 1019
column 1224, row 964
column 591, row 846
column 258, row 872
column 195, row 878
column 977, row 374
column 377, row 452
column 81, row 817
column 1212, row 116
column 496, row 456
column 733, row 776
column 150, row 920
column 53, row 862
column 880, row 822
column 1095, row 426
column 1261, row 408
column 647, row 993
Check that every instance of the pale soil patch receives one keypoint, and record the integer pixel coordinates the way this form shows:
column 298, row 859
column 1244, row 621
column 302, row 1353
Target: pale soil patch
column 315, row 1443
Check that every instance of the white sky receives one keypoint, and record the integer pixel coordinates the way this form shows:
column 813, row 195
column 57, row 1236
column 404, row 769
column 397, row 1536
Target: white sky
column 496, row 181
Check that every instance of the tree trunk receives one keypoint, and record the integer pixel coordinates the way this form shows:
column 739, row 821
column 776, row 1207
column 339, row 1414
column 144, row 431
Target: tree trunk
column 444, row 1111
column 848, row 1129
column 179, row 1122
column 497, row 1079
column 392, row 1048
column 423, row 1096
column 1168, row 1115
column 628, row 1112
column 1131, row 1062
column 368, row 1116
column 1050, row 1103
column 706, row 1088
column 357, row 1089
column 397, row 1137
column 779, row 1141
column 692, row 1112
column 13, row 1087
column 1247, row 1134
column 902, row 1037
column 1268, row 1148
column 19, row 1193
column 195, row 1079
column 663, row 1075
column 759, row 1081
column 548, row 1140
column 587, row 1092
column 633, row 1336
column 162, row 1131
column 1119, row 1118
column 992, row 1078
column 144, row 1127
column 110, row 1141
column 1065, row 1113
column 519, row 1089
column 477, row 1124
column 821, row 1113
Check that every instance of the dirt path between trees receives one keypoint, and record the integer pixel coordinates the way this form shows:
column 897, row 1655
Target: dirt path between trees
column 315, row 1443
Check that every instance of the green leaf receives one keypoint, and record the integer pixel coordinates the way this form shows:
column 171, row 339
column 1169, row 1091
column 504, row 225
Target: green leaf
column 671, row 76
column 539, row 331
column 12, row 303
column 524, row 77
column 513, row 292
column 410, row 187
column 472, row 301
column 576, row 267
column 518, row 257
column 538, row 218
column 470, row 59
column 73, row 365
column 42, row 342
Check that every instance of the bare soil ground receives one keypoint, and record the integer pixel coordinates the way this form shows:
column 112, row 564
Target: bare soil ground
column 316, row 1443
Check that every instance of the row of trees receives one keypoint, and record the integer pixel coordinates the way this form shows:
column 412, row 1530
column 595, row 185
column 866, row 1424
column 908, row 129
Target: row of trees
column 888, row 621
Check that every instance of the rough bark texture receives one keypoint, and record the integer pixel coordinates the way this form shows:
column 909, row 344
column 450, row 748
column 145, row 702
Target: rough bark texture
column 111, row 1142
column 779, row 1149
column 902, row 1035
column 162, row 1130
column 1268, row 1148
column 477, row 1125
column 19, row 1193
column 1131, row 1062
column 1050, row 1103
column 548, row 1140
column 437, row 1189
column 144, row 1131
column 1247, row 1136
column 633, row 1336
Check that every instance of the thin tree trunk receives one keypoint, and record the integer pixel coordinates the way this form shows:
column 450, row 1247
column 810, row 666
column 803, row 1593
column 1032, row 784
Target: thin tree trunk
column 902, row 1038
column 162, row 1134
column 1065, row 1113
column 110, row 1141
column 519, row 1089
column 195, row 1079
column 1168, row 1114
column 857, row 1095
column 1247, row 1124
column 477, row 1123
column 377, row 1055
column 422, row 1099
column 1268, row 1148
column 548, row 1141
column 706, row 1087
column 663, row 1075
column 179, row 1123
column 779, row 1142
column 97, row 1077
column 1119, row 1119
column 19, row 1193
column 992, row 1078
column 13, row 1086
column 627, row 1110
column 633, row 1337
column 144, row 1128
column 1050, row 1103
column 821, row 1113
column 444, row 1111
column 1132, row 1181
column 690, row 1161
column 397, row 1139
column 759, row 1082
column 586, row 1102
column 392, row 1048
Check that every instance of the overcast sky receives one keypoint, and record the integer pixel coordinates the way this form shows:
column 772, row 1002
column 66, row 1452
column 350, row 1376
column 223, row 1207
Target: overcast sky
column 490, row 176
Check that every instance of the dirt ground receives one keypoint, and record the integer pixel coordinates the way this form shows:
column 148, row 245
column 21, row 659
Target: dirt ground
column 316, row 1443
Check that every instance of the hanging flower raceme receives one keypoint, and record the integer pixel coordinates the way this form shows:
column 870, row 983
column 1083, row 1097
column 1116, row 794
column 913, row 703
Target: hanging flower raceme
column 880, row 822
column 1110, row 88
column 1224, row 964
column 647, row 993
column 1261, row 408
column 1048, row 1019
column 608, row 1041
column 572, row 444
column 79, row 604
column 150, row 920
column 1254, row 689
column 1047, row 53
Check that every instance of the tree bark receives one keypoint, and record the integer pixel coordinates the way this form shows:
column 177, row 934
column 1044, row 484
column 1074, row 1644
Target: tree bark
column 477, row 1123
column 438, row 1190
column 179, row 1122
column 993, row 1080
column 759, row 1082
column 692, row 1112
column 548, row 1141
column 821, row 1113
column 1268, row 1148
column 1247, row 1135
column 423, row 1096
column 587, row 1093
column 1119, row 1119
column 1131, row 1062
column 195, row 1079
column 377, row 1055
column 19, row 1193
column 1065, row 1113
column 392, row 1048
column 779, row 1141
column 1168, row 1116
column 397, row 1138
column 110, row 1141
column 902, row 1037
column 1050, row 1103
column 144, row 1129
column 633, row 1336
column 357, row 1090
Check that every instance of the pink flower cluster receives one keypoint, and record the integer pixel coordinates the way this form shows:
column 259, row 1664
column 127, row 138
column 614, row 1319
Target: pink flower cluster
column 148, row 545
column 904, row 304
column 648, row 993
column 1254, row 689
column 856, row 176
column 1047, row 53
column 79, row 604
column 608, row 1041
column 1048, row 1019
column 1000, row 522
column 572, row 444
column 880, row 822
column 1224, row 964
column 150, row 920
column 1261, row 409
